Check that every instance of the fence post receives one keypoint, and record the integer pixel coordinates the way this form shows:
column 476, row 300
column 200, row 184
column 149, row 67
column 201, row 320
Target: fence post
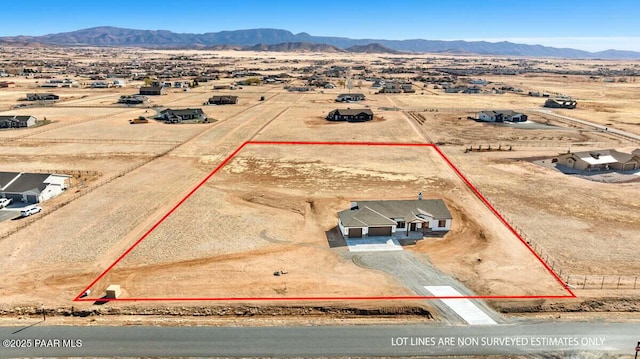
column 602, row 284
column 584, row 284
column 634, row 283
column 618, row 287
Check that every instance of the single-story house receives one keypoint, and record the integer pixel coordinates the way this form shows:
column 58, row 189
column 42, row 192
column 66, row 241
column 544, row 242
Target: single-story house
column 560, row 103
column 42, row 97
column 350, row 97
column 395, row 217
column 175, row 116
column 502, row 116
column 152, row 90
column 5, row 84
column 32, row 187
column 350, row 115
column 223, row 100
column 17, row 121
column 299, row 88
column 601, row 160
column 100, row 85
column 133, row 99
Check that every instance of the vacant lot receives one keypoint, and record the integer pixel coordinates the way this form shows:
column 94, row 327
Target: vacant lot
column 272, row 208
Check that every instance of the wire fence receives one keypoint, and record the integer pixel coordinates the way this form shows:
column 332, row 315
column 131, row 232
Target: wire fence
column 25, row 222
column 506, row 145
column 579, row 281
column 97, row 141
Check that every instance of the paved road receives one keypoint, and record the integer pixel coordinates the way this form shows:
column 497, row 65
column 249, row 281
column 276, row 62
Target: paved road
column 567, row 339
column 415, row 272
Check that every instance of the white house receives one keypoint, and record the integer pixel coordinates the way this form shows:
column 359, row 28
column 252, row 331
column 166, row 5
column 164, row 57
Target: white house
column 32, row 187
column 393, row 218
column 502, row 116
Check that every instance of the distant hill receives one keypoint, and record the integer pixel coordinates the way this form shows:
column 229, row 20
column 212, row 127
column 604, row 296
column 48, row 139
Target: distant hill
column 113, row 36
column 294, row 47
column 373, row 48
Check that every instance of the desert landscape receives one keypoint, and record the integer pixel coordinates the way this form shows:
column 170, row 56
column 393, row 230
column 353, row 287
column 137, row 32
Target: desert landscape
column 267, row 199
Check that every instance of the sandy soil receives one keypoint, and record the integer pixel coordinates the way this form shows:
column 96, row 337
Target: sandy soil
column 271, row 207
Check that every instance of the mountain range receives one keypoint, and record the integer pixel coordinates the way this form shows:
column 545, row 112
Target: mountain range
column 265, row 39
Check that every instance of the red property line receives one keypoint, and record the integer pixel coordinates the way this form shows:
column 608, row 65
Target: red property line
column 80, row 298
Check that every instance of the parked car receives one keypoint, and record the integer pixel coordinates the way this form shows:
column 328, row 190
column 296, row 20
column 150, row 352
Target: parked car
column 5, row 202
column 29, row 211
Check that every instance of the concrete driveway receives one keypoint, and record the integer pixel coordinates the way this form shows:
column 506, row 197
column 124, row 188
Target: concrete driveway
column 9, row 213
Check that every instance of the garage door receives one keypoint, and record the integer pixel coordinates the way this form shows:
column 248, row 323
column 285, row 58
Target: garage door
column 355, row 232
column 379, row 231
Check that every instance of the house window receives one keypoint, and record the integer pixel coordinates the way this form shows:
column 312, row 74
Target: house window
column 401, row 224
column 442, row 223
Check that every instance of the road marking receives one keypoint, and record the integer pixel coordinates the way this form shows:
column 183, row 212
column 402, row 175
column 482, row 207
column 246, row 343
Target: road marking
column 463, row 307
column 373, row 245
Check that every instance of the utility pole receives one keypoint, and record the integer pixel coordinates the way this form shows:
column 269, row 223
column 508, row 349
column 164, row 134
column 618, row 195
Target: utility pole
column 44, row 314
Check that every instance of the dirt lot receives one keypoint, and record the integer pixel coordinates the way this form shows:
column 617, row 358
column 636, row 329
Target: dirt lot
column 272, row 206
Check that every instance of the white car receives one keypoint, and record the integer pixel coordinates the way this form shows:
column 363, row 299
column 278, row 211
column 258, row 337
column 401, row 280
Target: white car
column 5, row 202
column 29, row 211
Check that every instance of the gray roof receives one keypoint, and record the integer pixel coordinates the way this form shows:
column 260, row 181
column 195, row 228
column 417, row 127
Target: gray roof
column 382, row 213
column 15, row 117
column 6, row 177
column 350, row 95
column 28, row 182
column 223, row 98
column 186, row 111
column 151, row 88
column 352, row 112
column 509, row 113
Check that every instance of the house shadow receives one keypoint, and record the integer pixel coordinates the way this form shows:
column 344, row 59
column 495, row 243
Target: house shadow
column 102, row 301
column 335, row 238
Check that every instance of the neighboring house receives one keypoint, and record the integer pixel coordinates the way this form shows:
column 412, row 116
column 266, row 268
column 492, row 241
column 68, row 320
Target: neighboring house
column 350, row 115
column 560, row 103
column 119, row 83
column 100, row 85
column 350, row 97
column 478, row 82
column 176, row 116
column 388, row 218
column 32, row 187
column 601, row 160
column 42, row 97
column 133, row 99
column 299, row 88
column 152, row 91
column 16, row 121
column 502, row 116
column 5, row 84
column 223, row 100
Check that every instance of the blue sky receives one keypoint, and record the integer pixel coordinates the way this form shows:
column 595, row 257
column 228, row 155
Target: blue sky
column 588, row 24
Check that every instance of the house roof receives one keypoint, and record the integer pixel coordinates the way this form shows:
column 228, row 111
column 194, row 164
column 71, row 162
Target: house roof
column 351, row 95
column 183, row 112
column 28, row 182
column 603, row 157
column 352, row 112
column 151, row 88
column 14, row 118
column 509, row 113
column 6, row 177
column 221, row 98
column 379, row 213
